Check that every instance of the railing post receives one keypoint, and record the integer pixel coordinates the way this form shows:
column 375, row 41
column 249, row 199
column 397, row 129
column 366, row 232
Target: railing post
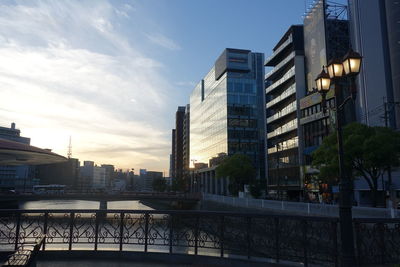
column 146, row 230
column 121, row 231
column 170, row 232
column 46, row 215
column 305, row 242
column 335, row 243
column 221, row 238
column 96, row 231
column 383, row 247
column 248, row 237
column 17, row 230
column 277, row 238
column 71, row 229
column 196, row 235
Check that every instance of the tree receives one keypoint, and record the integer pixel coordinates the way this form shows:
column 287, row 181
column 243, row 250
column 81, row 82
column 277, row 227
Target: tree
column 240, row 171
column 368, row 152
column 159, row 184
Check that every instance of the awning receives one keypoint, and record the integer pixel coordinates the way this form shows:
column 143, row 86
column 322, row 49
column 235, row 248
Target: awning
column 14, row 153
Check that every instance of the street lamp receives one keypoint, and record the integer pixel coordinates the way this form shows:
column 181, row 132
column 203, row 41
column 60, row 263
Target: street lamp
column 349, row 66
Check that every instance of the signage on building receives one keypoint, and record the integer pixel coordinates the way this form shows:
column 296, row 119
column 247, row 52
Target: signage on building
column 314, row 42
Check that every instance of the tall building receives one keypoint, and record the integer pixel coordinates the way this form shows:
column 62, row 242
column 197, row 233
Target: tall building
column 19, row 178
column 179, row 129
column 227, row 109
column 186, row 140
column 326, row 36
column 172, row 156
column 285, row 86
column 375, row 35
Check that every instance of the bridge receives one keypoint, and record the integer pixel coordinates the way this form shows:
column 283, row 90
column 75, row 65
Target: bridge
column 103, row 198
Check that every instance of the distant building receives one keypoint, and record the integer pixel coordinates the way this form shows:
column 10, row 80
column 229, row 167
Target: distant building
column 109, row 173
column 92, row 176
column 227, row 110
column 172, row 156
column 20, row 178
column 179, row 141
column 186, row 140
column 149, row 179
column 65, row 173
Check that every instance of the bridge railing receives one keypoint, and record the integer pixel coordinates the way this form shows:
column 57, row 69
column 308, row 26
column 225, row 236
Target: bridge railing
column 276, row 238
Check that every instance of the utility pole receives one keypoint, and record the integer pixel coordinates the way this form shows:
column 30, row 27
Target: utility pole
column 69, row 154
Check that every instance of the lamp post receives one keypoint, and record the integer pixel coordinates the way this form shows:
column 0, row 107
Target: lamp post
column 350, row 67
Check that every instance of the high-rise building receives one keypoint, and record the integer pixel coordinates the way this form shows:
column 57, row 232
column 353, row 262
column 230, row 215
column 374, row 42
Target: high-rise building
column 285, row 86
column 227, row 109
column 19, row 178
column 172, row 156
column 186, row 140
column 179, row 129
column 375, row 35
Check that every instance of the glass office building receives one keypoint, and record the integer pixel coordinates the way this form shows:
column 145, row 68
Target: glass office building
column 228, row 109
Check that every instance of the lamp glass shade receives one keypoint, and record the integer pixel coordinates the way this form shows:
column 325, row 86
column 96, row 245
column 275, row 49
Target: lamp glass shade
column 352, row 63
column 335, row 70
column 323, row 82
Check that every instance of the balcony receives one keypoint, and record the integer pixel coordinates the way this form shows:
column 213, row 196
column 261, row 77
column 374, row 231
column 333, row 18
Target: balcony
column 277, row 51
column 294, row 144
column 280, row 65
column 288, row 92
column 290, row 126
column 283, row 112
column 289, row 74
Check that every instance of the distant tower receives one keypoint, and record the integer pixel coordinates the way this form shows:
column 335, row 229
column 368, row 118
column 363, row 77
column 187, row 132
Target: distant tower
column 69, row 148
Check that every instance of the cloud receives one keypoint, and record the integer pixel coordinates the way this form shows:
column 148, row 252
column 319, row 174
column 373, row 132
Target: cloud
column 163, row 41
column 67, row 69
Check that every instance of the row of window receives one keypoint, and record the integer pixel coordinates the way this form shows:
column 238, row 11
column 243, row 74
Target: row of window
column 242, row 123
column 235, row 134
column 245, row 147
column 238, row 87
column 330, row 103
column 241, row 99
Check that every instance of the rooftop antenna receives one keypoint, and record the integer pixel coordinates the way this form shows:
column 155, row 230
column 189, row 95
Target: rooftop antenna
column 69, row 154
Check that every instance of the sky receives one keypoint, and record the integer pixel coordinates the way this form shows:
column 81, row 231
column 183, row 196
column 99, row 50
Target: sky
column 111, row 74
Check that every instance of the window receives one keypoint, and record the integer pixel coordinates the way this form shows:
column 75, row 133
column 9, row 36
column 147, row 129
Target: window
column 248, row 88
column 238, row 87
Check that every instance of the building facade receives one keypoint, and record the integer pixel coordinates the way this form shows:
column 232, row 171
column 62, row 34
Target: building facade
column 285, row 86
column 172, row 156
column 92, row 176
column 375, row 34
column 64, row 173
column 179, row 140
column 227, row 110
column 19, row 178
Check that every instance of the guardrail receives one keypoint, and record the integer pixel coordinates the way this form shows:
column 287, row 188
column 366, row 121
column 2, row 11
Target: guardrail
column 302, row 208
column 277, row 238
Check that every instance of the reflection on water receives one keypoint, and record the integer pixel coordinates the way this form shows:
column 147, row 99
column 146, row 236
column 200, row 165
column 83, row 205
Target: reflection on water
column 82, row 204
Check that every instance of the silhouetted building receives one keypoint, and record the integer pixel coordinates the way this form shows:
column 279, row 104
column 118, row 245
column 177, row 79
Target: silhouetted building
column 20, row 178
column 64, row 173
column 186, row 140
column 109, row 176
column 92, row 176
column 172, row 156
column 179, row 129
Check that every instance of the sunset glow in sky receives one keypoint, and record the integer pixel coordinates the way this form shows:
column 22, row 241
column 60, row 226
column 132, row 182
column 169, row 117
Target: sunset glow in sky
column 112, row 73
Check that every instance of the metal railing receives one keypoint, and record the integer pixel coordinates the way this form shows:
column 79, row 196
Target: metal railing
column 277, row 238
column 219, row 234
